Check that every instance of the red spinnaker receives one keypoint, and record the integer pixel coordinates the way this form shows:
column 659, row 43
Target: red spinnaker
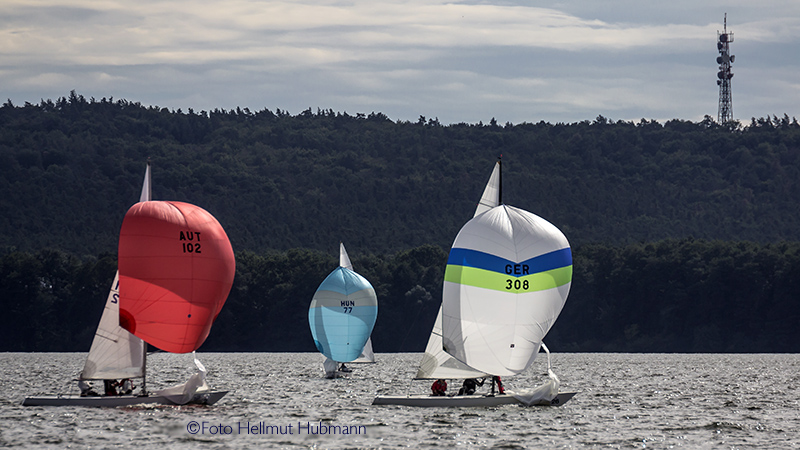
column 176, row 269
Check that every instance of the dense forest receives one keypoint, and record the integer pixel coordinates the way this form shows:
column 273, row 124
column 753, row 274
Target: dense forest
column 670, row 296
column 72, row 167
column 685, row 235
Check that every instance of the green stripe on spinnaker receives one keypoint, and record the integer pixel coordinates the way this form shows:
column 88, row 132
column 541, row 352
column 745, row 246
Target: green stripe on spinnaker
column 486, row 279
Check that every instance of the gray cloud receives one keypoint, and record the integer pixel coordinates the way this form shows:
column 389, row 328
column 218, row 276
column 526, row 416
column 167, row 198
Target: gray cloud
column 458, row 61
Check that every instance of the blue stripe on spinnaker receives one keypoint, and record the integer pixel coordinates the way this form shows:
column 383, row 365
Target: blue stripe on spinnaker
column 480, row 260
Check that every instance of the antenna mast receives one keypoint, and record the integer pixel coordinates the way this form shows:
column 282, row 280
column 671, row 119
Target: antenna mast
column 725, row 59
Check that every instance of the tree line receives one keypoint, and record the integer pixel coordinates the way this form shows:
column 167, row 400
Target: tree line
column 277, row 181
column 683, row 295
column 684, row 233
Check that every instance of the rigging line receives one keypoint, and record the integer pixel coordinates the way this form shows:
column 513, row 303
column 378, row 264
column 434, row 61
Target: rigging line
column 408, row 332
column 410, row 379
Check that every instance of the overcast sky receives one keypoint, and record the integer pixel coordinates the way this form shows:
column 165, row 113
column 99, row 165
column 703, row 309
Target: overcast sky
column 458, row 61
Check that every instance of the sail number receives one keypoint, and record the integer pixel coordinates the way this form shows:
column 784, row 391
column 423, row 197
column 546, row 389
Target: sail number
column 190, row 247
column 517, row 284
column 115, row 295
column 517, row 269
column 347, row 305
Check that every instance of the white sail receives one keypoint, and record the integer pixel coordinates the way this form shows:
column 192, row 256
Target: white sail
column 115, row 353
column 344, row 260
column 329, row 367
column 183, row 393
column 491, row 194
column 436, row 363
column 367, row 355
column 508, row 275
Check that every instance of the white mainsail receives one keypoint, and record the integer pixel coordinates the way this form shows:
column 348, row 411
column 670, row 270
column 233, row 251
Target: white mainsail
column 436, row 363
column 344, row 260
column 367, row 355
column 115, row 353
column 491, row 194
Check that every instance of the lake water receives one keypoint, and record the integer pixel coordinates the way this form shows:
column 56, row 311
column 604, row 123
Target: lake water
column 703, row 401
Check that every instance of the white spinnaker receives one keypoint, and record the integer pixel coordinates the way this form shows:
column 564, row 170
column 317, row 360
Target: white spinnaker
column 486, row 326
column 115, row 353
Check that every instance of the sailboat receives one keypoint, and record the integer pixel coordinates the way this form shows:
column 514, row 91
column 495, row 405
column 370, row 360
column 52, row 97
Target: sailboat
column 507, row 278
column 341, row 315
column 155, row 271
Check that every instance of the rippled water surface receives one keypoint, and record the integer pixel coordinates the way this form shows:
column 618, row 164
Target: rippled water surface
column 625, row 401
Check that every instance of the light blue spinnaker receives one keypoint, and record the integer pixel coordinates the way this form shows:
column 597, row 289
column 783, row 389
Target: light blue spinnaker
column 342, row 315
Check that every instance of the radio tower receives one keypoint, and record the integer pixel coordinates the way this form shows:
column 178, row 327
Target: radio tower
column 725, row 59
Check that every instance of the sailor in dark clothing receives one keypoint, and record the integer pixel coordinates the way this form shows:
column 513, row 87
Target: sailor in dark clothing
column 470, row 386
column 439, row 387
column 110, row 387
column 496, row 379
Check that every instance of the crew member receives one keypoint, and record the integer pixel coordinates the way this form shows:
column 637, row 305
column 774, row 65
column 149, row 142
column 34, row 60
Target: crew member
column 439, row 387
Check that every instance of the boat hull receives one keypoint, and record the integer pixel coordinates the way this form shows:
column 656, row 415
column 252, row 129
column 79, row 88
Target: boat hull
column 463, row 400
column 205, row 398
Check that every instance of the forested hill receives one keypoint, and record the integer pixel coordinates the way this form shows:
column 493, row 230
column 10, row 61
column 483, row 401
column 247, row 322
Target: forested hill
column 70, row 168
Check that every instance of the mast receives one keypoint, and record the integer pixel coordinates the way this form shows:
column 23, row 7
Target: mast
column 500, row 183
column 144, row 369
column 147, row 186
column 146, row 196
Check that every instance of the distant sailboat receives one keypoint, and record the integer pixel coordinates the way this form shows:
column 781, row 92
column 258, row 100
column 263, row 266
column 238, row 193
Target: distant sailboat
column 341, row 315
column 507, row 278
column 156, row 274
